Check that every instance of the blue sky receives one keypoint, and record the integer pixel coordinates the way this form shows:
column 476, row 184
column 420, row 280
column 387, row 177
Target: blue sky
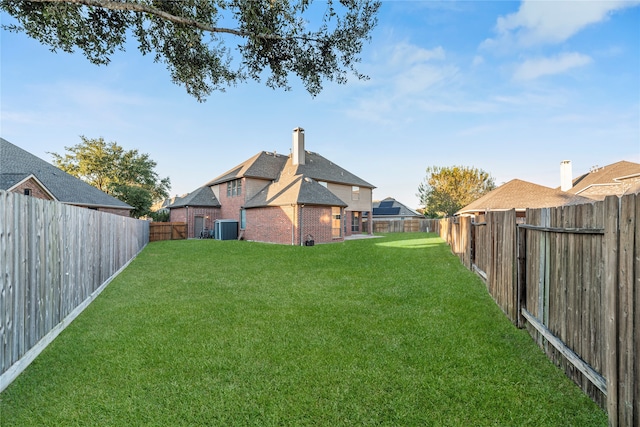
column 512, row 88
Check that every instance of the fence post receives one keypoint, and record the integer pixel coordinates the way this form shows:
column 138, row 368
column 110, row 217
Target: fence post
column 521, row 278
column 472, row 244
column 627, row 306
column 610, row 254
column 468, row 232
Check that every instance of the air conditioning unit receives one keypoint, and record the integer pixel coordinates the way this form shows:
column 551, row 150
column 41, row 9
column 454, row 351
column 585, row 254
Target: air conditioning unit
column 226, row 229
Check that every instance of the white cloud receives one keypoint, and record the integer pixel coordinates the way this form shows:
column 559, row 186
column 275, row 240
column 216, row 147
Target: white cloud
column 477, row 60
column 402, row 75
column 420, row 78
column 550, row 22
column 405, row 54
column 534, row 68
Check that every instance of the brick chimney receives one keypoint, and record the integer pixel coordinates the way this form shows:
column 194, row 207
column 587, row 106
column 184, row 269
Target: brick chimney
column 566, row 178
column 297, row 155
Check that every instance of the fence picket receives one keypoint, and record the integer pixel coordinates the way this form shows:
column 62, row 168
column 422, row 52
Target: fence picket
column 581, row 268
column 49, row 257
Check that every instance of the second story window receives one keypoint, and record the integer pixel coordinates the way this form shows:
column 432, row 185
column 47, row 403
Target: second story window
column 27, row 191
column 234, row 188
column 355, row 193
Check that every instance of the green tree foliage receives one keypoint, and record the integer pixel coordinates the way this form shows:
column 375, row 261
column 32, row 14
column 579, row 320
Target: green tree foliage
column 273, row 37
column 126, row 175
column 160, row 216
column 446, row 190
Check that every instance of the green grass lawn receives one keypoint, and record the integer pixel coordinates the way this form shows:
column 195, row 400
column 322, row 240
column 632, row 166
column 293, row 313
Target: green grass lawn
column 389, row 331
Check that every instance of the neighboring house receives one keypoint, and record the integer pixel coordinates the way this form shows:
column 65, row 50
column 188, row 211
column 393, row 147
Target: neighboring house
column 163, row 205
column 520, row 195
column 291, row 199
column 22, row 172
column 390, row 209
column 615, row 179
column 199, row 209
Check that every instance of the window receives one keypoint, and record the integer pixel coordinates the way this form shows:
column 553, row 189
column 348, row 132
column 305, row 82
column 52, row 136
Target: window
column 355, row 222
column 355, row 193
column 335, row 222
column 27, row 191
column 243, row 219
column 234, row 188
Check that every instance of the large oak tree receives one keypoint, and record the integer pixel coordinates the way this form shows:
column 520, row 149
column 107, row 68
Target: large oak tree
column 195, row 38
column 446, row 190
column 125, row 174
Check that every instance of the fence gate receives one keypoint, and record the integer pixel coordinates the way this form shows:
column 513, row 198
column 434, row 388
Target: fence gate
column 560, row 290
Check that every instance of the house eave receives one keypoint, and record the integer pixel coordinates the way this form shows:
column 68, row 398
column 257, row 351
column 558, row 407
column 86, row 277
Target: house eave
column 32, row 176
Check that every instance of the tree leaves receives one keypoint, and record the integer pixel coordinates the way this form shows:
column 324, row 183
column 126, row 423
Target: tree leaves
column 446, row 190
column 127, row 175
column 274, row 39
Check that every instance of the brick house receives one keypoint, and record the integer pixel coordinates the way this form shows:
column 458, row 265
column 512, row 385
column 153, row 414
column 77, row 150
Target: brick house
column 199, row 209
column 22, row 172
column 289, row 199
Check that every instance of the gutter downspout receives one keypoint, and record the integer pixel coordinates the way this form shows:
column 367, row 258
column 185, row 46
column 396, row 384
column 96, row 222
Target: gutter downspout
column 300, row 220
column 293, row 226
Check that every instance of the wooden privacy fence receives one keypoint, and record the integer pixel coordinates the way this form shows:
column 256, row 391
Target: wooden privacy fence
column 167, row 231
column 570, row 276
column 401, row 226
column 54, row 260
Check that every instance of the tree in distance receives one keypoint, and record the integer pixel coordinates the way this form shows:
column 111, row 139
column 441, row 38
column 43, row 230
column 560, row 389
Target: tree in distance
column 446, row 190
column 272, row 37
column 126, row 175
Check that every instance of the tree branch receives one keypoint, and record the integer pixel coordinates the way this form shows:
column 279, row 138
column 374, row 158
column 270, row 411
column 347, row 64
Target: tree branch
column 143, row 8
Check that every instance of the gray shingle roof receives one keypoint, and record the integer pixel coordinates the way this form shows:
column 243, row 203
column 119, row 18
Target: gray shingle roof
column 321, row 169
column 294, row 189
column 269, row 166
column 17, row 164
column 263, row 165
column 202, row 197
column 399, row 209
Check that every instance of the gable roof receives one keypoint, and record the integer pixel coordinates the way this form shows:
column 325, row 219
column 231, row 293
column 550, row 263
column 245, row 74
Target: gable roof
column 263, row 165
column 164, row 203
column 519, row 195
column 293, row 188
column 16, row 165
column 202, row 197
column 269, row 166
column 392, row 207
column 618, row 178
column 36, row 181
column 321, row 169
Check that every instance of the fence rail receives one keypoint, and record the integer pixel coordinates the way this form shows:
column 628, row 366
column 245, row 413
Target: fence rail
column 54, row 260
column 571, row 276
